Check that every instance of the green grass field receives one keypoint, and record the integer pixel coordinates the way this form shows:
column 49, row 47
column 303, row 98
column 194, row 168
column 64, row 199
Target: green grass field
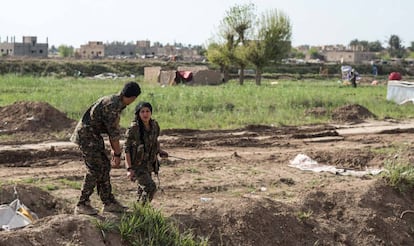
column 208, row 107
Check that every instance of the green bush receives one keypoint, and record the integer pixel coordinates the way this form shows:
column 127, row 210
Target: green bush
column 146, row 226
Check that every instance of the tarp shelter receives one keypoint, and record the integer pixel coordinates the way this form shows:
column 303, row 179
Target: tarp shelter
column 197, row 75
column 346, row 72
column 400, row 91
column 15, row 215
column 152, row 74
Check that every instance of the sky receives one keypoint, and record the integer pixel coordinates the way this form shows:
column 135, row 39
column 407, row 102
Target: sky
column 314, row 22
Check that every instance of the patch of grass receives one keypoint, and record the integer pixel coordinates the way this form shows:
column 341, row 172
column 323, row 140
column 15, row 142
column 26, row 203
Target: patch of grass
column 29, row 180
column 313, row 183
column 146, row 226
column 193, row 170
column 105, row 225
column 226, row 106
column 393, row 149
column 77, row 185
column 50, row 187
column 399, row 175
column 304, row 215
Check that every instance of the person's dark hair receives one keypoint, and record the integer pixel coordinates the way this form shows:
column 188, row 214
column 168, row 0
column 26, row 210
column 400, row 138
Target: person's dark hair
column 138, row 108
column 131, row 89
column 141, row 105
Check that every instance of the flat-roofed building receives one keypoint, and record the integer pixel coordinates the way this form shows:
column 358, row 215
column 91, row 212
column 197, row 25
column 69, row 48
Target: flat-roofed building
column 28, row 48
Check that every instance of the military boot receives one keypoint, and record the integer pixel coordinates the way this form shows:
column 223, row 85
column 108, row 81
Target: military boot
column 114, row 207
column 85, row 208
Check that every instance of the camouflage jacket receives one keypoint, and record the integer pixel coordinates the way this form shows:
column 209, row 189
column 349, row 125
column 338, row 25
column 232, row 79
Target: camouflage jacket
column 102, row 117
column 143, row 151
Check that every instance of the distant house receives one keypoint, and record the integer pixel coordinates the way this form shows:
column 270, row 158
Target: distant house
column 194, row 75
column 94, row 49
column 28, row 48
column 97, row 49
column 120, row 50
column 350, row 57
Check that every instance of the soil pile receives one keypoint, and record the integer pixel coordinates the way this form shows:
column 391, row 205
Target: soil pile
column 353, row 113
column 37, row 200
column 54, row 226
column 33, row 117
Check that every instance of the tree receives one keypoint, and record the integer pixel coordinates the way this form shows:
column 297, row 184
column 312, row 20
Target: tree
column 375, row 46
column 238, row 20
column 65, row 51
column 219, row 54
column 359, row 45
column 395, row 49
column 272, row 41
column 295, row 53
column 314, row 54
column 411, row 48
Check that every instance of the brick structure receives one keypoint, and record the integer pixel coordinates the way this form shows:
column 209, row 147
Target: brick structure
column 94, row 49
column 28, row 48
column 351, row 57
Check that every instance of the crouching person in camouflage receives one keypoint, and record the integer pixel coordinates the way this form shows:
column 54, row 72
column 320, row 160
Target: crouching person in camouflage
column 102, row 118
column 141, row 150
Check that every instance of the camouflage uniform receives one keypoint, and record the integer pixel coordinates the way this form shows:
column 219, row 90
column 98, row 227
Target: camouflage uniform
column 102, row 117
column 144, row 159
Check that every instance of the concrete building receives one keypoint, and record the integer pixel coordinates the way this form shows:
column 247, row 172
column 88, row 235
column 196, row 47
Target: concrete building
column 120, row 50
column 351, row 57
column 28, row 48
column 94, row 49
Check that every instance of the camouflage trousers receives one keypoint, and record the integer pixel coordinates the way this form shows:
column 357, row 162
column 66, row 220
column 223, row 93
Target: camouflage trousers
column 146, row 186
column 98, row 168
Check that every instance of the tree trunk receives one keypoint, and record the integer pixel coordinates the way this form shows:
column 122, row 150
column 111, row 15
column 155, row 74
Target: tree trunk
column 241, row 75
column 258, row 76
column 226, row 75
column 225, row 72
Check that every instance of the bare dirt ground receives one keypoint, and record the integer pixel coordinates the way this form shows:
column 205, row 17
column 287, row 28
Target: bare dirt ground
column 233, row 186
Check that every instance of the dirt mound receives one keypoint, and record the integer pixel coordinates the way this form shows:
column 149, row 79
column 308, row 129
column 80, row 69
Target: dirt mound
column 33, row 117
column 37, row 200
column 55, row 225
column 63, row 229
column 352, row 113
column 249, row 221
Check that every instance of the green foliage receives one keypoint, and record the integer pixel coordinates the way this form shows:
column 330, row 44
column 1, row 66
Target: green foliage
column 77, row 185
column 63, row 68
column 226, row 106
column 399, row 175
column 146, row 226
column 304, row 215
column 395, row 48
column 105, row 225
column 50, row 187
column 65, row 51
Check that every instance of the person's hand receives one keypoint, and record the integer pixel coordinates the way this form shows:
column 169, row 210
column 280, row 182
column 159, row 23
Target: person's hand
column 131, row 175
column 163, row 154
column 116, row 161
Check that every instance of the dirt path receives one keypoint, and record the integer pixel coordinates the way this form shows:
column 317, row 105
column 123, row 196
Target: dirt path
column 236, row 186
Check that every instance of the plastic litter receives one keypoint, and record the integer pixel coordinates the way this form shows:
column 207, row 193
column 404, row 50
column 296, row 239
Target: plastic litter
column 206, row 199
column 15, row 215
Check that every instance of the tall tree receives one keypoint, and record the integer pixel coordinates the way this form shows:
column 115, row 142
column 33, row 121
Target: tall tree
column 239, row 20
column 272, row 41
column 65, row 51
column 375, row 46
column 395, row 48
column 411, row 48
column 219, row 54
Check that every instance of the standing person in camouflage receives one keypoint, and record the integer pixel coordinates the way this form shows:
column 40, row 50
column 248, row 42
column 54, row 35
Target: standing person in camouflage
column 141, row 150
column 102, row 118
